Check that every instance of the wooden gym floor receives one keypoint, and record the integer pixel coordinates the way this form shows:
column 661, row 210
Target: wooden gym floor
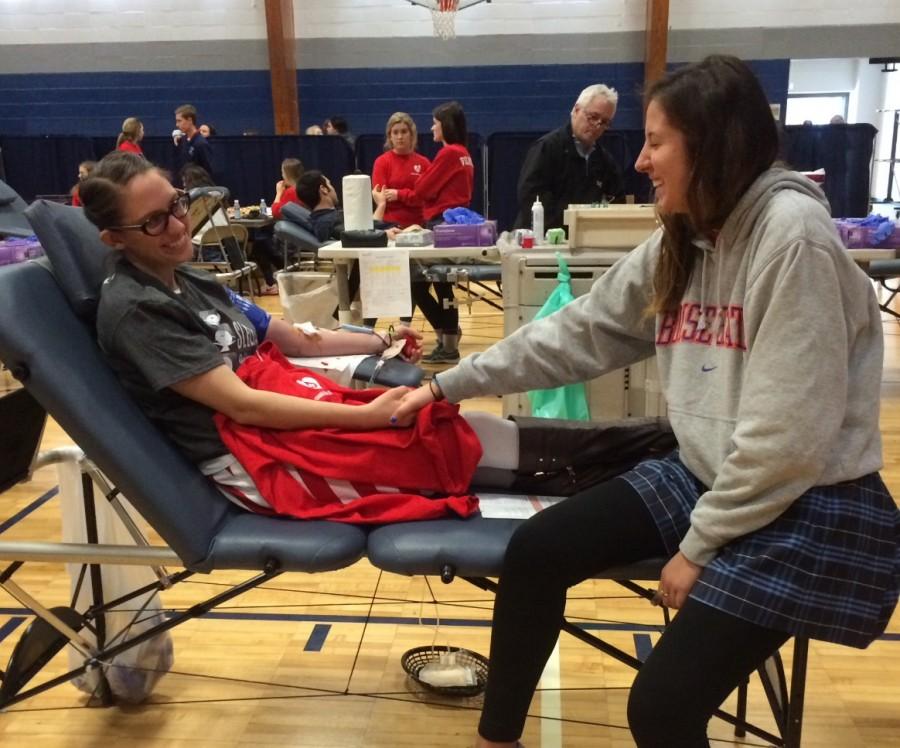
column 314, row 660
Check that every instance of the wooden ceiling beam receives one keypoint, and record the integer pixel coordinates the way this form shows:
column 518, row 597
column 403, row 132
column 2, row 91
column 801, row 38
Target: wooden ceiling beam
column 283, row 66
column 656, row 40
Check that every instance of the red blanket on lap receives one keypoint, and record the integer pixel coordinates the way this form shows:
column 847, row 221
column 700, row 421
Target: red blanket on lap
column 353, row 476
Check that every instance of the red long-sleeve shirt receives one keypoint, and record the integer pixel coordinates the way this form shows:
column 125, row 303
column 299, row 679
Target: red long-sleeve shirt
column 401, row 172
column 448, row 183
column 288, row 196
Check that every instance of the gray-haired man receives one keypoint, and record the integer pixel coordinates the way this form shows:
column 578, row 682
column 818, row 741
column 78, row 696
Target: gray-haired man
column 568, row 165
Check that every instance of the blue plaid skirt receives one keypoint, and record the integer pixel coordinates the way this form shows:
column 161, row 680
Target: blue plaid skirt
column 828, row 568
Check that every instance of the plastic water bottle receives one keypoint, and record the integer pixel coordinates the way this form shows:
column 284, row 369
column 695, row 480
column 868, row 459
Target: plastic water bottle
column 237, row 210
column 262, row 208
column 537, row 220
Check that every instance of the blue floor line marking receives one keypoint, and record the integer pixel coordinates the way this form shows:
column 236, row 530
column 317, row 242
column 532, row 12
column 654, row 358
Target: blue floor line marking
column 642, row 646
column 11, row 625
column 36, row 504
column 317, row 638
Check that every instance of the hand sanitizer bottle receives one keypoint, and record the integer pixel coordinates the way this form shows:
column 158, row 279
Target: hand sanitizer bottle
column 237, row 210
column 537, row 220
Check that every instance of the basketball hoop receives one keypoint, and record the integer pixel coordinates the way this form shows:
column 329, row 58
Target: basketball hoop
column 443, row 15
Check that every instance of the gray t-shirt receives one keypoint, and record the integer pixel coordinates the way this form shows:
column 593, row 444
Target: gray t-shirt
column 154, row 338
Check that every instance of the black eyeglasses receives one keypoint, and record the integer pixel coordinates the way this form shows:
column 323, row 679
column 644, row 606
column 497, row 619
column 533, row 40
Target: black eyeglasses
column 156, row 223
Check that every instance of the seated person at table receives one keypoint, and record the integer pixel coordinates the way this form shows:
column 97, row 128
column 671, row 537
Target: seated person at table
column 397, row 170
column 315, row 190
column 286, row 187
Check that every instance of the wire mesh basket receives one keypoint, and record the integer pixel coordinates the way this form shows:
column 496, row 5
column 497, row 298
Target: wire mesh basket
column 415, row 659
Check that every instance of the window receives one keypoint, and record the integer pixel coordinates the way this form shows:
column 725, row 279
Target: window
column 817, row 108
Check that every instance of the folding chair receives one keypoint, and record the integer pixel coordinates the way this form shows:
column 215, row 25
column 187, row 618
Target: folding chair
column 231, row 244
column 211, row 230
column 206, row 202
column 296, row 236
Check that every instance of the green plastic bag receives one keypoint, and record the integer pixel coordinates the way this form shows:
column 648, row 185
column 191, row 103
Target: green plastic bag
column 570, row 400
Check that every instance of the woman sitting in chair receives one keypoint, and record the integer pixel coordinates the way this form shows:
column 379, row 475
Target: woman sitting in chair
column 175, row 337
column 286, row 187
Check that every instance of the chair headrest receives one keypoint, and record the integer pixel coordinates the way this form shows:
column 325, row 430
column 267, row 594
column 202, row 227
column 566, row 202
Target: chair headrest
column 8, row 195
column 299, row 215
column 217, row 193
column 80, row 260
column 205, row 201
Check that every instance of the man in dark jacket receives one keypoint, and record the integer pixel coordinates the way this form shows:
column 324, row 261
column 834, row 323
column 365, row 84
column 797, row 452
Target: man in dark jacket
column 190, row 145
column 568, row 165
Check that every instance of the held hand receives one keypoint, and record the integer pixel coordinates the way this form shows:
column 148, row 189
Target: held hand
column 677, row 580
column 390, row 195
column 378, row 195
column 379, row 412
column 412, row 351
column 413, row 402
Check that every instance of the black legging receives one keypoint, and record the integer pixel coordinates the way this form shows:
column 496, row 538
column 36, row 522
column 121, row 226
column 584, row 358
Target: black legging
column 702, row 656
column 441, row 319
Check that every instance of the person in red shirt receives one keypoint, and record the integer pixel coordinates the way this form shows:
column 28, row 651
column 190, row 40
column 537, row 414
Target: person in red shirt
column 84, row 169
column 286, row 188
column 397, row 170
column 131, row 136
column 447, row 184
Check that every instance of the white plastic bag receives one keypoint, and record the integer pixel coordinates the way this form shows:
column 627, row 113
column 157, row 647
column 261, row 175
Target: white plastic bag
column 132, row 674
column 308, row 297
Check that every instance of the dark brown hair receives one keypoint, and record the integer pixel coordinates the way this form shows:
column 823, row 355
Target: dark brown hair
column 453, row 122
column 193, row 175
column 308, row 187
column 100, row 193
column 730, row 135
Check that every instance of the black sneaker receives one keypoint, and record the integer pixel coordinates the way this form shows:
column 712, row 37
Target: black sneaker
column 442, row 356
column 438, row 349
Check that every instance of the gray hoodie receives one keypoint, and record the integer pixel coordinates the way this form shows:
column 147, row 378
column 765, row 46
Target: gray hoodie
column 771, row 369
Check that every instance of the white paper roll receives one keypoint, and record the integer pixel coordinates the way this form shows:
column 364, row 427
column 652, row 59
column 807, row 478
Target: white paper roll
column 357, row 202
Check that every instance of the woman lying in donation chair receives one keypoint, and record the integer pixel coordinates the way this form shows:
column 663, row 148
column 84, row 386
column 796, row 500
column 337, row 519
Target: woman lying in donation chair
column 176, row 337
